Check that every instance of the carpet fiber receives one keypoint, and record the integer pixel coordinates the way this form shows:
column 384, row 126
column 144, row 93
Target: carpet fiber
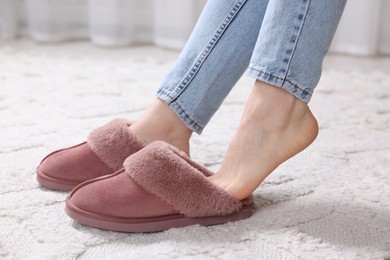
column 329, row 202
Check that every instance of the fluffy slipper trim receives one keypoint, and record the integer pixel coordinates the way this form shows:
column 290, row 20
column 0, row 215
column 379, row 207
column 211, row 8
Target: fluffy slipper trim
column 170, row 174
column 114, row 142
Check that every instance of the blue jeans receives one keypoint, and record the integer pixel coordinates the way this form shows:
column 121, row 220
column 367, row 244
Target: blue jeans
column 280, row 42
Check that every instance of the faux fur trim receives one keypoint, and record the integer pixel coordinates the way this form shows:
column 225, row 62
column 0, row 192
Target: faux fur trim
column 163, row 170
column 114, row 142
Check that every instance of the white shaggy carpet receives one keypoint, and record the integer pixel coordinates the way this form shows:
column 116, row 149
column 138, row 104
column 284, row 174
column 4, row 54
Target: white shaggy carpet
column 330, row 202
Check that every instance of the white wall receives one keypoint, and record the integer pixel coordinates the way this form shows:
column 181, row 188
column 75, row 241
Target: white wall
column 364, row 28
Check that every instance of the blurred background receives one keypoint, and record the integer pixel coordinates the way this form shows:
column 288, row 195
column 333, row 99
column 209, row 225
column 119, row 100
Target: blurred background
column 364, row 29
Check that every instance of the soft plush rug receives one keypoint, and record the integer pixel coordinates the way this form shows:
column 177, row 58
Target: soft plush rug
column 330, row 202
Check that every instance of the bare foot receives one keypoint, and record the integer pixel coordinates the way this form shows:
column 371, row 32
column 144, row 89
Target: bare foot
column 160, row 122
column 274, row 127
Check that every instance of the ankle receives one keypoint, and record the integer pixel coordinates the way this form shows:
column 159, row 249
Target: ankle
column 160, row 122
column 274, row 107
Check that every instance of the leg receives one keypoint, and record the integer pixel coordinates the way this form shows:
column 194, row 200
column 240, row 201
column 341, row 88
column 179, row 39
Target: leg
column 215, row 57
column 277, row 123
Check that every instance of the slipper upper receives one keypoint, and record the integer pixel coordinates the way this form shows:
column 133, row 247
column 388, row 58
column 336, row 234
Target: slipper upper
column 163, row 170
column 104, row 153
column 118, row 196
column 114, row 142
column 73, row 165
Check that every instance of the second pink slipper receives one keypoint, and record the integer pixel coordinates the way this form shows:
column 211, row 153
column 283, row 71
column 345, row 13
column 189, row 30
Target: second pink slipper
column 159, row 188
column 103, row 153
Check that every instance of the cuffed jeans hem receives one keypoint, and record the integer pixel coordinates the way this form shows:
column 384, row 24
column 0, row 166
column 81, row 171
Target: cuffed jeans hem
column 303, row 94
column 180, row 111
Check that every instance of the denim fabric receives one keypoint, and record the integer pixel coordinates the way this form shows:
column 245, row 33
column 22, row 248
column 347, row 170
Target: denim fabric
column 281, row 42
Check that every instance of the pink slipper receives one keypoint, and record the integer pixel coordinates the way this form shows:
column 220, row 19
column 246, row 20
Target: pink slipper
column 159, row 188
column 103, row 153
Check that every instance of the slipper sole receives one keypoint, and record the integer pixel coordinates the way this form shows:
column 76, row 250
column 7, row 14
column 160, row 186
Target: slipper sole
column 54, row 184
column 151, row 224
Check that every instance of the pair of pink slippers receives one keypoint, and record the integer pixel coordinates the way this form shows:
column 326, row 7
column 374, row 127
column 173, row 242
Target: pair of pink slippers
column 153, row 188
